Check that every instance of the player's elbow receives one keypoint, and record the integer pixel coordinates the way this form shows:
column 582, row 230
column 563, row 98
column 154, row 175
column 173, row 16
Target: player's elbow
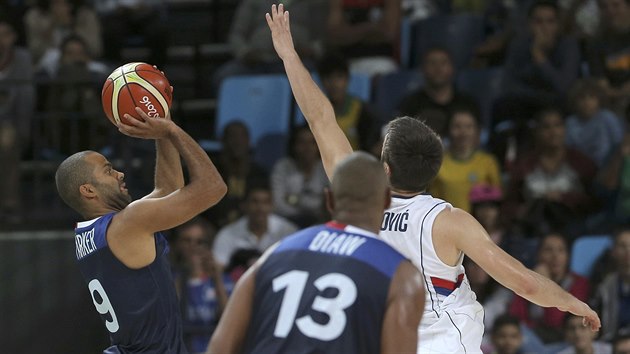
column 527, row 286
column 216, row 192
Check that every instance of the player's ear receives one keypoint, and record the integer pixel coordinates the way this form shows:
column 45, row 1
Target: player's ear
column 388, row 198
column 87, row 190
column 330, row 200
column 388, row 171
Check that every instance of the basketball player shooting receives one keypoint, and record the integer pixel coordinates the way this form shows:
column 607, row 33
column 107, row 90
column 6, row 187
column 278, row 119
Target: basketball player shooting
column 332, row 288
column 430, row 232
column 122, row 255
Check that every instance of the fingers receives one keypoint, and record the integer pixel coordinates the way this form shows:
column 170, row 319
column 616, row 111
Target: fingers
column 142, row 114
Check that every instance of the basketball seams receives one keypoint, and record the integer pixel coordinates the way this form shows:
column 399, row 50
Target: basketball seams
column 153, row 90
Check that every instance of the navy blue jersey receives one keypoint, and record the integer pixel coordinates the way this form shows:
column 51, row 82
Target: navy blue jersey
column 322, row 290
column 138, row 306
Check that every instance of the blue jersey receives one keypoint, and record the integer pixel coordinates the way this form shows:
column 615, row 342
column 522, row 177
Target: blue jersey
column 322, row 290
column 138, row 306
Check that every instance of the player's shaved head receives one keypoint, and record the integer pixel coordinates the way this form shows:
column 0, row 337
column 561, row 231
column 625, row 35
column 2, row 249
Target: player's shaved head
column 359, row 181
column 71, row 174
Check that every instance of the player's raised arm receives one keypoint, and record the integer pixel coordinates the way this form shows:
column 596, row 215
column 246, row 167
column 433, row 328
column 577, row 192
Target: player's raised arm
column 470, row 237
column 320, row 115
column 205, row 188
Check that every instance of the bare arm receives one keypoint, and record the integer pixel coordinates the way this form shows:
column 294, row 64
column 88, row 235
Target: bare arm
column 319, row 113
column 169, row 176
column 205, row 189
column 459, row 228
column 405, row 306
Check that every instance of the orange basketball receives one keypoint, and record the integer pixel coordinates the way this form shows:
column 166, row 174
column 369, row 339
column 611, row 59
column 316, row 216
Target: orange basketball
column 136, row 85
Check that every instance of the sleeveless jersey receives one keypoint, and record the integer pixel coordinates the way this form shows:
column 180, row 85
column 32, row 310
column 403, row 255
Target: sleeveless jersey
column 452, row 322
column 139, row 307
column 322, row 290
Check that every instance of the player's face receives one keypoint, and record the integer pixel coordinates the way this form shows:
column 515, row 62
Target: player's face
column 553, row 253
column 109, row 183
column 621, row 252
column 508, row 339
column 463, row 131
column 438, row 68
column 580, row 336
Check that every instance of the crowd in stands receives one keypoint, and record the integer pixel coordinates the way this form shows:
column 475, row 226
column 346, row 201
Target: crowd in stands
column 542, row 163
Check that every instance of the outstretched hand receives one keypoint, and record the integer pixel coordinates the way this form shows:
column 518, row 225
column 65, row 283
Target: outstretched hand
column 279, row 25
column 150, row 128
column 589, row 317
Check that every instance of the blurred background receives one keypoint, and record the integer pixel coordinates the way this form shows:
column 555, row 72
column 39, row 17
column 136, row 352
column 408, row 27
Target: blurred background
column 531, row 99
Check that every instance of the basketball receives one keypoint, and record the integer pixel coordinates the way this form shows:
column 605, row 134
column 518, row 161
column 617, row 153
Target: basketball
column 136, row 85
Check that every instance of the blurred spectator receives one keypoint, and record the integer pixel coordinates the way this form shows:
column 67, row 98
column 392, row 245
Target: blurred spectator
column 250, row 39
column 366, row 32
column 485, row 203
column 354, row 117
column 621, row 344
column 612, row 298
column 257, row 229
column 415, row 10
column 581, row 339
column 238, row 170
column 125, row 21
column 592, row 129
column 506, row 335
column 203, row 287
column 615, row 180
column 579, row 18
column 553, row 263
column 540, row 66
column 241, row 260
column 464, row 165
column 609, row 53
column 435, row 102
column 73, row 53
column 17, row 102
column 298, row 181
column 550, row 184
column 50, row 21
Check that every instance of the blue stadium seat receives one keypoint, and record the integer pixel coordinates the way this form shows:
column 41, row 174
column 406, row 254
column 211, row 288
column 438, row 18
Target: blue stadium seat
column 485, row 86
column 586, row 250
column 392, row 88
column 460, row 34
column 360, row 86
column 262, row 102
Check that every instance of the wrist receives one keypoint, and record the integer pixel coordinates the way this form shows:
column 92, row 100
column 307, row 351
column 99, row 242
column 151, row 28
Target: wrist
column 291, row 57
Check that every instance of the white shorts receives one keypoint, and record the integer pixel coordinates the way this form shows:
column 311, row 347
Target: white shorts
column 457, row 330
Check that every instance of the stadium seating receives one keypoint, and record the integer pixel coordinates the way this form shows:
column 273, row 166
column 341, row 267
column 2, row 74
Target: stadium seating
column 392, row 88
column 586, row 250
column 485, row 86
column 262, row 102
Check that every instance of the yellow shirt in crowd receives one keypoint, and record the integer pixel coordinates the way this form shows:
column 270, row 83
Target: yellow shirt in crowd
column 456, row 177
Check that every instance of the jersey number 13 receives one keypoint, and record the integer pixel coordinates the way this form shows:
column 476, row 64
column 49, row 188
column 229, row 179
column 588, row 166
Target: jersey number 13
column 294, row 282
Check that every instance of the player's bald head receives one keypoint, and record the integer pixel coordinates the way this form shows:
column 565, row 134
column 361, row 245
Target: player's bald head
column 359, row 178
column 71, row 174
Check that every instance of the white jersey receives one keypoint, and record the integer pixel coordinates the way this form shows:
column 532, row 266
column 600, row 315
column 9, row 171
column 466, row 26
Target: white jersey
column 453, row 319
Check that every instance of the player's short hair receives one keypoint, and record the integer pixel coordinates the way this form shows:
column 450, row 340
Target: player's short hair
column 331, row 63
column 71, row 174
column 413, row 152
column 505, row 320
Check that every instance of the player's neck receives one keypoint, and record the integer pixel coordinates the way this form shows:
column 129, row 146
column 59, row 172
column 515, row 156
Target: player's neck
column 365, row 221
column 403, row 193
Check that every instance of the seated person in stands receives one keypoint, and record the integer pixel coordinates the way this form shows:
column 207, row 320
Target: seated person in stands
column 580, row 339
column 257, row 229
column 612, row 298
column 506, row 335
column 202, row 286
column 17, row 103
column 73, row 55
column 354, row 117
column 366, row 32
column 464, row 165
column 553, row 262
column 298, row 181
column 621, row 343
column 238, row 170
column 550, row 185
column 435, row 102
column 592, row 129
